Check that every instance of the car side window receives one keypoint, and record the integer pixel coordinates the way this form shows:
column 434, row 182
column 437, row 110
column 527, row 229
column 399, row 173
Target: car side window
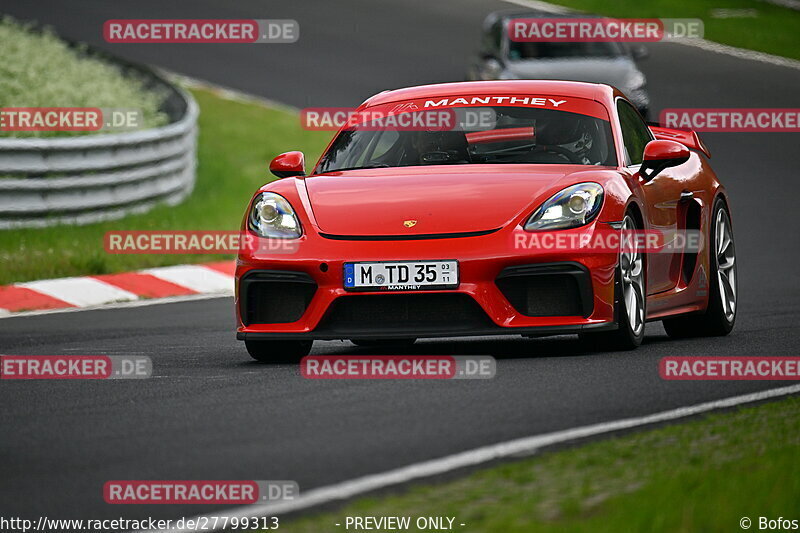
column 493, row 39
column 635, row 133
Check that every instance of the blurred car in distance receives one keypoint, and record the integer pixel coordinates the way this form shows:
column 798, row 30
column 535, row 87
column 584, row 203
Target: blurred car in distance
column 611, row 63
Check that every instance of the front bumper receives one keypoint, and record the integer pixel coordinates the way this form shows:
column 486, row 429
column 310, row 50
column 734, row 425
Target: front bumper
column 506, row 288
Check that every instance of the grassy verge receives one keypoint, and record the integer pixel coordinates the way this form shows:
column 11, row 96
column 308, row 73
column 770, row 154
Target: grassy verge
column 773, row 29
column 37, row 69
column 704, row 475
column 237, row 141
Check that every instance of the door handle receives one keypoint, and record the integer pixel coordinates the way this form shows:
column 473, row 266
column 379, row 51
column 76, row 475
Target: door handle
column 686, row 196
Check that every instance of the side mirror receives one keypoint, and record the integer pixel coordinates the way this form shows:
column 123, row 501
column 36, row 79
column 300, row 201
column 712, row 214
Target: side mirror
column 288, row 164
column 662, row 154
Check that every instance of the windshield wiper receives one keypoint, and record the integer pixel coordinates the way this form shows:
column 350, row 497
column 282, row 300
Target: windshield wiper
column 382, row 165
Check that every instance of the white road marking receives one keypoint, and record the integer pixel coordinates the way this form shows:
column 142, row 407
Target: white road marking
column 542, row 6
column 514, row 448
column 791, row 4
column 198, row 278
column 80, row 292
column 226, row 93
column 750, row 55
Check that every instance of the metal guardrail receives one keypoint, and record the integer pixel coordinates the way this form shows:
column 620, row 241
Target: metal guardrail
column 80, row 180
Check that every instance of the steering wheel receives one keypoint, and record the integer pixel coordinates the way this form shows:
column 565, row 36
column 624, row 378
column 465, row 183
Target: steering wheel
column 571, row 156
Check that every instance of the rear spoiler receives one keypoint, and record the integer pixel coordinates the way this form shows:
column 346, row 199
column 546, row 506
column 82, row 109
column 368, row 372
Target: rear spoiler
column 685, row 137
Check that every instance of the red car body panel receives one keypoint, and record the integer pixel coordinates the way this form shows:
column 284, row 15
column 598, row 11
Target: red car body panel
column 348, row 215
column 376, row 199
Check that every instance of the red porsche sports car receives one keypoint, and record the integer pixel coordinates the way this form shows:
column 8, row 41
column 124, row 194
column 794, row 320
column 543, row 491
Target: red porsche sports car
column 401, row 233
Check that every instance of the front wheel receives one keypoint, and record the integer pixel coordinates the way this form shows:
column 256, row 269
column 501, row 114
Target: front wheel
column 278, row 351
column 630, row 291
column 720, row 315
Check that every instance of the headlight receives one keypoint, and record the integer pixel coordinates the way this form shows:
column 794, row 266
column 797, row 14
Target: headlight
column 569, row 208
column 636, row 81
column 273, row 216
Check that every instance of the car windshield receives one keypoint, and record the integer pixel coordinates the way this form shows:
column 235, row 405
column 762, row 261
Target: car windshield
column 515, row 135
column 554, row 50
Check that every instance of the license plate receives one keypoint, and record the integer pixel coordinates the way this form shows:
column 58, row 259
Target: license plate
column 401, row 275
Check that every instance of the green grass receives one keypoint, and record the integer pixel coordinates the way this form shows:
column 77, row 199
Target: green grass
column 37, row 69
column 703, row 475
column 775, row 29
column 237, row 141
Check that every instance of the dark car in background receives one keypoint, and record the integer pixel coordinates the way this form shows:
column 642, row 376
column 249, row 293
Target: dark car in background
column 611, row 63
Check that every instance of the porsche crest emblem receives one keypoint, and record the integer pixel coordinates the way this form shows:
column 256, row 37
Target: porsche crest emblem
column 409, row 223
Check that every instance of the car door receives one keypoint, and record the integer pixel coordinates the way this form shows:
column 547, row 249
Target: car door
column 661, row 196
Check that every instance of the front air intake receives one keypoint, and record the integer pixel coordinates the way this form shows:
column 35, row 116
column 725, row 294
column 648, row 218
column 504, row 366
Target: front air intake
column 551, row 289
column 400, row 313
column 274, row 296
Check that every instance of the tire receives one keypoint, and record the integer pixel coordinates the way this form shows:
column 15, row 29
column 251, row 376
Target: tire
column 630, row 300
column 380, row 343
column 278, row 351
column 720, row 315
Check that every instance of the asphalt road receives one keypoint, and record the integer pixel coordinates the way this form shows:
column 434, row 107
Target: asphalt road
column 211, row 413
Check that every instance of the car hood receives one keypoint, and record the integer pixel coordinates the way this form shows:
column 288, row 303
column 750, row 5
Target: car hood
column 618, row 72
column 451, row 199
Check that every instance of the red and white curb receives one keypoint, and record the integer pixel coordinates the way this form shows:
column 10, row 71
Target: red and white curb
column 92, row 291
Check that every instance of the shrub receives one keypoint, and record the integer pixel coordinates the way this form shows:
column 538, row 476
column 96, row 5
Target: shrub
column 37, row 69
